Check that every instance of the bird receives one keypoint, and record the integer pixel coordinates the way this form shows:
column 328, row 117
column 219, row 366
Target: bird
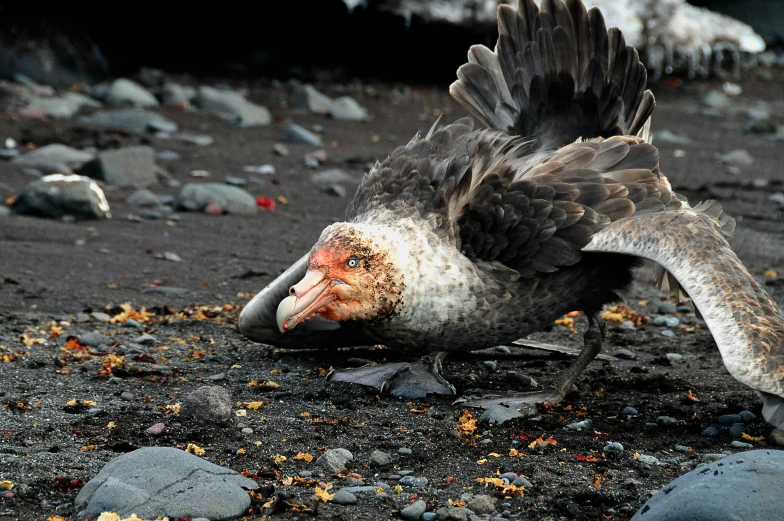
column 471, row 236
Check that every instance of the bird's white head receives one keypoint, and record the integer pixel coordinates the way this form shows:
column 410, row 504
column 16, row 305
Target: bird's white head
column 352, row 275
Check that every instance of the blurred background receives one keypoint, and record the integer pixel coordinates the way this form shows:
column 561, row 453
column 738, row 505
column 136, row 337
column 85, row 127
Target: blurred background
column 60, row 43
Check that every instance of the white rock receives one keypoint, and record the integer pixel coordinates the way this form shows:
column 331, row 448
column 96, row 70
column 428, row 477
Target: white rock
column 126, row 92
column 232, row 106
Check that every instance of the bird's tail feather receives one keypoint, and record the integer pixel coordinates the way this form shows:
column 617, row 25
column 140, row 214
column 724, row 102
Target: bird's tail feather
column 556, row 74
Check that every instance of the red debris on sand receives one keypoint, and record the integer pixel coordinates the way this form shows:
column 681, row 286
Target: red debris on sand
column 267, row 203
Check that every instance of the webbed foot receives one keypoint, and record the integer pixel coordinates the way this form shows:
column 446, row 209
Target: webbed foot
column 401, row 379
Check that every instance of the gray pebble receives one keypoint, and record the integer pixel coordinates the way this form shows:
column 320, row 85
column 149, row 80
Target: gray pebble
column 405, row 472
column 729, row 419
column 125, row 395
column 747, row 416
column 710, row 458
column 665, row 321
column 305, row 473
column 145, row 340
column 509, row 476
column 247, row 430
column 503, row 349
column 674, row 357
column 208, row 402
column 360, row 489
column 404, row 451
column 628, row 325
column 683, row 308
column 624, row 354
column 522, row 482
column 217, row 377
column 667, row 421
column 382, row 485
column 490, row 364
column 737, row 430
column 667, row 307
column 414, row 511
column 629, row 411
column 648, row 460
column 710, row 432
column 429, row 516
column 380, row 459
column 344, row 497
column 667, row 333
column 613, row 446
column 411, row 481
column 681, row 448
column 92, row 339
column 741, row 445
column 581, row 425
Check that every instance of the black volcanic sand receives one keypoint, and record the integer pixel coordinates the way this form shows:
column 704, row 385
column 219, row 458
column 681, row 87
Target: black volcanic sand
column 52, row 271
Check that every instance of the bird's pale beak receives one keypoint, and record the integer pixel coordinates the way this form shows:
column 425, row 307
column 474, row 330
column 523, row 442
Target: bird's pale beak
column 305, row 298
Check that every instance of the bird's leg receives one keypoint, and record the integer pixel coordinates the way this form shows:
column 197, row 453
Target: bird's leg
column 593, row 341
column 402, row 379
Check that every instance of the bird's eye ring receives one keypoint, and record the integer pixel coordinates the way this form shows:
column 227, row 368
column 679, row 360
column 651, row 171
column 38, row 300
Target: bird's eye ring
column 352, row 262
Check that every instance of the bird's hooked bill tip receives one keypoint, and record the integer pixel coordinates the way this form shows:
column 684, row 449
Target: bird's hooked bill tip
column 285, row 315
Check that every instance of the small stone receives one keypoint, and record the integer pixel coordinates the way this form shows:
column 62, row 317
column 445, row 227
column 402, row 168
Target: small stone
column 246, row 430
column 482, row 504
column 737, row 430
column 738, row 158
column 307, row 96
column 681, row 448
column 58, row 195
column 500, row 413
column 344, row 497
column 143, row 198
column 670, row 138
column 682, row 308
column 211, row 403
column 335, row 190
column 741, row 445
column 319, row 155
column 451, row 514
column 404, row 451
column 629, row 411
column 297, row 134
column 710, row 458
column 667, row 421
column 128, row 166
column 236, row 181
column 353, row 483
column 217, row 377
column 103, row 317
column 745, row 416
column 413, row 482
column 613, row 446
column 334, row 460
column 133, row 121
column 126, row 92
column 522, row 482
column 648, row 460
column 281, row 149
column 232, row 106
column 710, row 432
column 54, row 159
column 777, row 198
column 776, row 437
column 666, row 321
column 414, row 511
column 628, row 325
column 234, row 200
column 92, row 339
column 490, row 364
column 580, row 426
column 674, row 357
column 156, row 430
column 346, row 108
column 624, row 354
column 717, row 100
column 125, row 395
column 429, row 516
column 508, row 476
column 667, row 307
column 380, row 459
column 729, row 419
column 667, row 333
column 145, row 340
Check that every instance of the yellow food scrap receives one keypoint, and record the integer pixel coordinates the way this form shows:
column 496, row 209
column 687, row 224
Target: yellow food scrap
column 194, row 449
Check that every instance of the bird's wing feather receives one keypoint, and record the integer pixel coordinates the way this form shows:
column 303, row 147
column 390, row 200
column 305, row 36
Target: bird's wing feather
column 536, row 213
column 689, row 243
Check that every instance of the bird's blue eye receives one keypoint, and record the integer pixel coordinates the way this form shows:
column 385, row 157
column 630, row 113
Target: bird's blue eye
column 352, row 262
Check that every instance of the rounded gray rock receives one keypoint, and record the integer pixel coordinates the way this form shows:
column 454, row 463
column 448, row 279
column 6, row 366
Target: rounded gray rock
column 746, row 485
column 197, row 196
column 380, row 459
column 414, row 511
column 58, row 195
column 164, row 481
column 209, row 402
column 344, row 497
column 482, row 504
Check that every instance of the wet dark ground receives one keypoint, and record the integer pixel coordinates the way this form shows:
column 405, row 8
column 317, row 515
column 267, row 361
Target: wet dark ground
column 51, row 271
